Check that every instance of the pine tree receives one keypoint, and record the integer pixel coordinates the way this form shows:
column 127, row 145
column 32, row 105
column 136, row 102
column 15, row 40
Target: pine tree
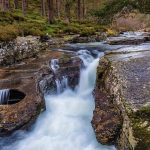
column 43, row 11
column 24, row 7
column 50, row 11
column 79, row 9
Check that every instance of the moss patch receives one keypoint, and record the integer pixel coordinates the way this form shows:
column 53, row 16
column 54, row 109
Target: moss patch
column 141, row 127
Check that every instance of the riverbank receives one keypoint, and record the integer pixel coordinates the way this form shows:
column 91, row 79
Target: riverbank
column 121, row 90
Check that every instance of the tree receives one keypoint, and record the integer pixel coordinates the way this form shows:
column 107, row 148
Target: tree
column 16, row 4
column 1, row 4
column 43, row 11
column 50, row 11
column 79, row 9
column 24, row 7
column 5, row 5
column 68, row 5
column 83, row 9
column 58, row 9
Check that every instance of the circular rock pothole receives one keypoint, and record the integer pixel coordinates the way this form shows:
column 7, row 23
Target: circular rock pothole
column 11, row 96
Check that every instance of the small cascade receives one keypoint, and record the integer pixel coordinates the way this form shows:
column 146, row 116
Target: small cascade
column 54, row 65
column 65, row 82
column 58, row 85
column 87, row 78
column 61, row 83
column 4, row 96
column 86, row 57
column 10, row 96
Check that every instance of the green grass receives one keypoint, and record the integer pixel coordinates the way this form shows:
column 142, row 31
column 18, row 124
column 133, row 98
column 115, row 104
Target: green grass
column 14, row 24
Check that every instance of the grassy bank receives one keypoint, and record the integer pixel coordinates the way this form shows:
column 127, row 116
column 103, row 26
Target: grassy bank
column 14, row 24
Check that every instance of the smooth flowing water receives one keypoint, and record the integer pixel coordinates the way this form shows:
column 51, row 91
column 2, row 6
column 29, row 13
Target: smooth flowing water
column 66, row 124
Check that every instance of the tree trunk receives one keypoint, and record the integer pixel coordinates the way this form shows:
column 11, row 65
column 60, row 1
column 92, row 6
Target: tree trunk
column 58, row 8
column 68, row 11
column 43, row 12
column 24, row 7
column 1, row 5
column 84, row 9
column 79, row 9
column 16, row 4
column 50, row 11
column 6, row 5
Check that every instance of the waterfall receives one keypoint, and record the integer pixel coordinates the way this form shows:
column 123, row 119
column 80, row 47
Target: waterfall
column 61, row 84
column 58, row 85
column 54, row 64
column 4, row 96
column 66, row 123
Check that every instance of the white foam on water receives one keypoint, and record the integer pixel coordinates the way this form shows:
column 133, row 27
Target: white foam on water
column 66, row 123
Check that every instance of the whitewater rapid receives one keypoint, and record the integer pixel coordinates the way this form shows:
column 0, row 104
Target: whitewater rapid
column 66, row 123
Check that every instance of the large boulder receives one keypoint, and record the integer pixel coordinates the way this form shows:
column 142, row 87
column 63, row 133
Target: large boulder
column 107, row 120
column 68, row 68
column 19, row 49
column 125, row 77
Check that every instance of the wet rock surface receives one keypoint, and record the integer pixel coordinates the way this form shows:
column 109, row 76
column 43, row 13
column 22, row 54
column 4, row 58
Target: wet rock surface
column 68, row 67
column 23, row 77
column 86, row 39
column 122, row 91
column 107, row 120
column 124, row 75
column 129, row 38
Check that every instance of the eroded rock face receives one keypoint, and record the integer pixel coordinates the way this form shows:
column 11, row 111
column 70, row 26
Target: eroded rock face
column 23, row 113
column 23, row 77
column 107, row 120
column 125, row 77
column 68, row 67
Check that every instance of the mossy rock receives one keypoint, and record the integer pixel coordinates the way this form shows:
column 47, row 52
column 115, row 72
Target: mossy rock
column 141, row 128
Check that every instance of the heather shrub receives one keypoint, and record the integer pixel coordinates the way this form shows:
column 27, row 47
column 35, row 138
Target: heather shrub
column 132, row 22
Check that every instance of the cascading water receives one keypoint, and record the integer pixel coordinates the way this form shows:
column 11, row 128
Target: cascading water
column 66, row 124
column 4, row 96
column 61, row 84
column 54, row 64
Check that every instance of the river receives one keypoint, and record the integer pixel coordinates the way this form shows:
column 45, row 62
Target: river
column 66, row 123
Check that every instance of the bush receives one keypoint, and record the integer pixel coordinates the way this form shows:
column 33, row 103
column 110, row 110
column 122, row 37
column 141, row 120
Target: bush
column 131, row 22
column 6, row 18
column 87, row 31
column 8, row 32
column 71, row 30
column 30, row 28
